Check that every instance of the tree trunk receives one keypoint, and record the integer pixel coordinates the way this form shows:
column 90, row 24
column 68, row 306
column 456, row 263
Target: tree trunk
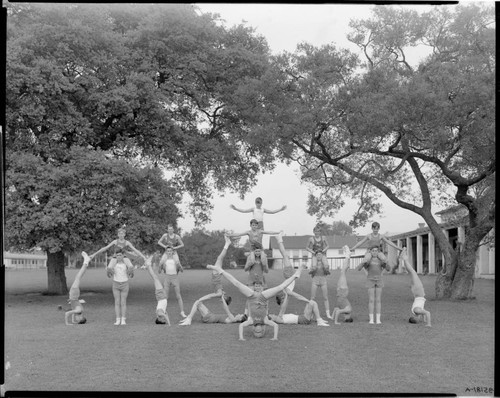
column 444, row 281
column 443, row 286
column 461, row 288
column 55, row 274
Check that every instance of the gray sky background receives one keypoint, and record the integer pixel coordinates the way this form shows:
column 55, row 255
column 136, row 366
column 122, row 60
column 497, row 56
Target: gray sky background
column 284, row 26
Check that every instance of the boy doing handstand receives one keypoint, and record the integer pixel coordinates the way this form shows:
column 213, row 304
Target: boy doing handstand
column 76, row 311
column 417, row 288
column 161, row 297
column 258, row 300
column 343, row 305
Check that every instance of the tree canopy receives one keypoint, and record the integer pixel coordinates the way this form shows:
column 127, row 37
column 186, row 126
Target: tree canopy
column 383, row 126
column 159, row 82
column 175, row 94
column 148, row 102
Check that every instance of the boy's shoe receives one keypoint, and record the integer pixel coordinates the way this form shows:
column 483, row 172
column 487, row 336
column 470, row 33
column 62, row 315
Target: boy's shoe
column 86, row 258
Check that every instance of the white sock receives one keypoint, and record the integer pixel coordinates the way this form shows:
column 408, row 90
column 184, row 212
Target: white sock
column 117, row 321
column 371, row 318
column 378, row 318
column 123, row 321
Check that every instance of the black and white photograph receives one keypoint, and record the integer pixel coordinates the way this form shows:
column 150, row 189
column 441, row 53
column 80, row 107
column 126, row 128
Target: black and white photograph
column 249, row 199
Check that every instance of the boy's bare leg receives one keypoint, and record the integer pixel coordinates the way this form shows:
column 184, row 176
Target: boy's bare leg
column 267, row 321
column 335, row 315
column 417, row 285
column 378, row 304
column 273, row 291
column 371, row 303
column 187, row 321
column 326, row 302
column 245, row 290
column 426, row 314
column 154, row 275
column 342, row 282
column 284, row 305
column 281, row 247
column 81, row 271
column 223, row 253
column 243, row 325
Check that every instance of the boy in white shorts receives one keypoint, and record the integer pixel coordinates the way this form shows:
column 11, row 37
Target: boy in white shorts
column 210, row 317
column 311, row 312
column 172, row 267
column 417, row 288
column 121, row 273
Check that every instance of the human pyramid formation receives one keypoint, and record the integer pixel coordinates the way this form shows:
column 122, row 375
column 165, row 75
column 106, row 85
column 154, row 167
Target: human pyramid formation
column 256, row 292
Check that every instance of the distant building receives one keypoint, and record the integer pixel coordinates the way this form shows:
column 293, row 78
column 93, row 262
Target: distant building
column 298, row 254
column 426, row 257
column 25, row 260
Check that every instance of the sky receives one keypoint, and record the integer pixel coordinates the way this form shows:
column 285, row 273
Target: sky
column 284, row 26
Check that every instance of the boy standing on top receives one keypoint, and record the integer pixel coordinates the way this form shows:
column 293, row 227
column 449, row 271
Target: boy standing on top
column 258, row 211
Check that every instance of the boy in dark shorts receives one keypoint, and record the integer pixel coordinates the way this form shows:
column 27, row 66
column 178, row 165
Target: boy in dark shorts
column 374, row 283
column 161, row 297
column 255, row 241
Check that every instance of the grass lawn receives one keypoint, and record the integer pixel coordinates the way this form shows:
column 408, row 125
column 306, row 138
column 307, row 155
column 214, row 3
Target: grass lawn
column 43, row 354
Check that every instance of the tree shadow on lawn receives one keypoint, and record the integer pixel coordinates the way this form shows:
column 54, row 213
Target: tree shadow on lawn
column 395, row 357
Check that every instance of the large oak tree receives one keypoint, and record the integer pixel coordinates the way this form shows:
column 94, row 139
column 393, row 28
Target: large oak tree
column 361, row 127
column 155, row 85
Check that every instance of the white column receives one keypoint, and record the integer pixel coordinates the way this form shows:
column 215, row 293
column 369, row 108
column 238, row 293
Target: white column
column 483, row 260
column 410, row 251
column 400, row 262
column 392, row 256
column 461, row 236
column 491, row 262
column 447, row 235
column 432, row 253
column 420, row 259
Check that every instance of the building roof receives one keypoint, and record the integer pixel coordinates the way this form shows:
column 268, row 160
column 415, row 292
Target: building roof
column 34, row 256
column 426, row 229
column 300, row 241
column 452, row 209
